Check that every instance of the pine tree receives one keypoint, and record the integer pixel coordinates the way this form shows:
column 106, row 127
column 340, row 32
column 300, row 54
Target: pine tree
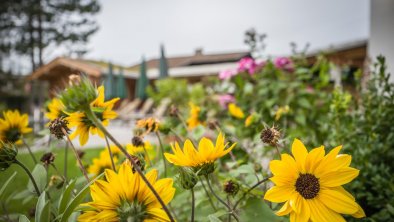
column 33, row 26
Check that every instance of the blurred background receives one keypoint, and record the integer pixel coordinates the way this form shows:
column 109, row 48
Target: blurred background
column 42, row 42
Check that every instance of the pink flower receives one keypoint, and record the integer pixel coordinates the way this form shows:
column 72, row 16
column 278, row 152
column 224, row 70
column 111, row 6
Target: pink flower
column 247, row 64
column 284, row 63
column 225, row 99
column 227, row 74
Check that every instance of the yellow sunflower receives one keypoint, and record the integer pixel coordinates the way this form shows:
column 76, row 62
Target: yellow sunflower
column 194, row 116
column 204, row 157
column 101, row 163
column 103, row 111
column 249, row 120
column 235, row 111
column 13, row 125
column 114, row 150
column 55, row 109
column 310, row 184
column 149, row 124
column 124, row 196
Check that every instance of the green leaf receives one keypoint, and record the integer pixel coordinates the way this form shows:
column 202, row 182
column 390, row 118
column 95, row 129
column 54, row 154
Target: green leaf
column 77, row 200
column 40, row 176
column 257, row 208
column 23, row 218
column 215, row 217
column 42, row 213
column 6, row 184
column 65, row 197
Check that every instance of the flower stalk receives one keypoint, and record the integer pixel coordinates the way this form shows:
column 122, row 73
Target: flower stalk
column 248, row 191
column 111, row 156
column 30, row 152
column 33, row 181
column 193, row 203
column 90, row 114
column 76, row 155
column 162, row 153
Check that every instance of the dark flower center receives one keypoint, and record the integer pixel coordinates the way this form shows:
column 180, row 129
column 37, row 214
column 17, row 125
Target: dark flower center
column 12, row 135
column 307, row 185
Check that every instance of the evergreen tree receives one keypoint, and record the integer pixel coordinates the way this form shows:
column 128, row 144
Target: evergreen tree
column 29, row 27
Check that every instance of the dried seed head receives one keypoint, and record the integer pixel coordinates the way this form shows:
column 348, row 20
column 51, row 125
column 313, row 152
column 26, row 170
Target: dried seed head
column 174, row 111
column 138, row 160
column 80, row 153
column 137, row 141
column 56, row 181
column 57, row 125
column 47, row 158
column 270, row 136
column 213, row 124
column 231, row 187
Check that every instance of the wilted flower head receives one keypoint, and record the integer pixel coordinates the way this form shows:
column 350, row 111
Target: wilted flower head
column 231, row 187
column 57, row 126
column 149, row 124
column 8, row 154
column 227, row 74
column 78, row 95
column 284, row 63
column 270, row 136
column 174, row 111
column 47, row 158
column 225, row 99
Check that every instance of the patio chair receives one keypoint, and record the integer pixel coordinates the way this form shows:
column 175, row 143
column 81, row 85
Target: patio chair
column 128, row 108
column 146, row 107
column 162, row 108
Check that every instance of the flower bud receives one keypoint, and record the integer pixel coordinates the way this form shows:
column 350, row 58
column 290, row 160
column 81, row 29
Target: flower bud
column 79, row 95
column 187, row 178
column 8, row 154
column 205, row 169
column 270, row 136
column 231, row 187
column 213, row 124
column 56, row 181
column 165, row 128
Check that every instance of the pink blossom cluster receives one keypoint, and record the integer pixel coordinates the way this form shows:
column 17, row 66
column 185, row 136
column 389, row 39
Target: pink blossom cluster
column 225, row 99
column 284, row 63
column 246, row 64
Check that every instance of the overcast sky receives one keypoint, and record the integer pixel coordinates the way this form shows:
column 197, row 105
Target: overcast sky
column 132, row 28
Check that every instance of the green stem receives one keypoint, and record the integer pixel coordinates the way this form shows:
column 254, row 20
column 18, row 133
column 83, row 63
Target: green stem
column 162, row 154
column 231, row 212
column 65, row 160
column 110, row 155
column 209, row 196
column 30, row 176
column 193, row 203
column 214, row 194
column 31, row 153
column 248, row 191
column 76, row 156
column 97, row 122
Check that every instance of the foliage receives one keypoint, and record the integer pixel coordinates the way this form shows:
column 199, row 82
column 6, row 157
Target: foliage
column 366, row 129
column 30, row 27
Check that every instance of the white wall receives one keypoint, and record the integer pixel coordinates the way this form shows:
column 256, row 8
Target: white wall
column 382, row 32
